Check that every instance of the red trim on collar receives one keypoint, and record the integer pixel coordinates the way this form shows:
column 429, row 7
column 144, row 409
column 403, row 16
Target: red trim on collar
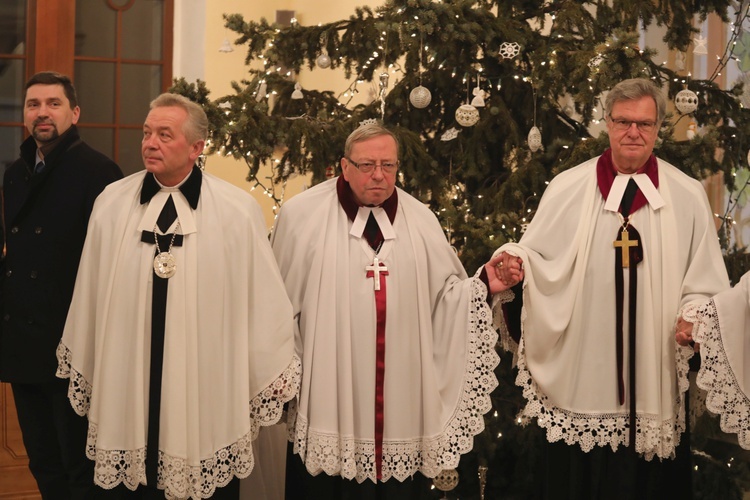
column 606, row 172
column 350, row 205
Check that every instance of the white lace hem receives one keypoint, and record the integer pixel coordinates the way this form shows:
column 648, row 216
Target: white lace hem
column 176, row 476
column 725, row 396
column 354, row 458
column 654, row 436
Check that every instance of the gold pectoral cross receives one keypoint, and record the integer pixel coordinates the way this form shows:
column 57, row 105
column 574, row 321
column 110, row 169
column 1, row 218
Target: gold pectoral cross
column 625, row 244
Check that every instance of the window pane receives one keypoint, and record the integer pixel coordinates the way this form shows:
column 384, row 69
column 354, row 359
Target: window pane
column 142, row 30
column 130, row 150
column 96, row 27
column 11, row 90
column 140, row 84
column 10, row 141
column 13, row 27
column 95, row 83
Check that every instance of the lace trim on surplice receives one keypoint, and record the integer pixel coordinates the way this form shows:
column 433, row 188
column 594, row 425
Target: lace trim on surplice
column 653, row 437
column 178, row 478
column 355, row 458
column 725, row 396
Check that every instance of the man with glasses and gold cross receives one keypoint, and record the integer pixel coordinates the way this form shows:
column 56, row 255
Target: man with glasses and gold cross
column 396, row 341
column 620, row 253
column 179, row 344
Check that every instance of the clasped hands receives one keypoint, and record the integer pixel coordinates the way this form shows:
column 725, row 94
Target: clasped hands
column 504, row 271
column 684, row 334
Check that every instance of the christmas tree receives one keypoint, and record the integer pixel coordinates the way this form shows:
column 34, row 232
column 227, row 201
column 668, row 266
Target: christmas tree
column 490, row 100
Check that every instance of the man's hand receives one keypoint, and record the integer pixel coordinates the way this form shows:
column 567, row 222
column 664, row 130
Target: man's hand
column 684, row 334
column 503, row 272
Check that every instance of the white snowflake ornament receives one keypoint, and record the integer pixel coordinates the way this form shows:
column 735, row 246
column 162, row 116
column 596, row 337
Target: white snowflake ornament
column 686, row 101
column 467, row 115
column 420, row 97
column 509, row 50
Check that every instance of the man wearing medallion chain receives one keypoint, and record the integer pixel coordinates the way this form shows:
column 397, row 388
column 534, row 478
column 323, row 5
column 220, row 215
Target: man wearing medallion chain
column 48, row 196
column 622, row 248
column 396, row 341
column 179, row 342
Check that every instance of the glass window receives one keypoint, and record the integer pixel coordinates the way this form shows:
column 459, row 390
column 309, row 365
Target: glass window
column 13, row 27
column 11, row 90
column 140, row 84
column 142, row 30
column 96, row 29
column 130, row 150
column 101, row 139
column 95, row 83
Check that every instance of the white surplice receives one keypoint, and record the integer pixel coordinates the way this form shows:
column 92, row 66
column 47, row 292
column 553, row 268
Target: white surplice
column 439, row 347
column 229, row 362
column 722, row 328
column 567, row 354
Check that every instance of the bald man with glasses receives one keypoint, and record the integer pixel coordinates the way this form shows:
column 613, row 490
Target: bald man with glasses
column 396, row 340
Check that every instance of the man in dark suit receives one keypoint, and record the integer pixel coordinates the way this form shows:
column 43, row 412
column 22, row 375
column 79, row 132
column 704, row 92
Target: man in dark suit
column 48, row 196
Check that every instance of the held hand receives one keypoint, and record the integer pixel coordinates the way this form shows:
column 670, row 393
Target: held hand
column 684, row 334
column 503, row 272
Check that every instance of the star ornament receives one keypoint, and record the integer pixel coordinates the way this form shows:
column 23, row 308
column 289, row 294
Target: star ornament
column 701, row 48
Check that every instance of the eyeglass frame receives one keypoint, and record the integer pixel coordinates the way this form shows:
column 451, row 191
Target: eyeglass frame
column 620, row 124
column 387, row 167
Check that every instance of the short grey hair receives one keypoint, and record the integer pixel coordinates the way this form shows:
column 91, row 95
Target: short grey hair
column 365, row 132
column 196, row 126
column 635, row 88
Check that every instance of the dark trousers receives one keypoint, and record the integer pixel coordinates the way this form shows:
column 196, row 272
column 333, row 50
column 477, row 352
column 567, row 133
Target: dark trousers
column 301, row 485
column 55, row 440
column 230, row 492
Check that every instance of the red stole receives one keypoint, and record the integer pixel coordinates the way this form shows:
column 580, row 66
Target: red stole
column 377, row 271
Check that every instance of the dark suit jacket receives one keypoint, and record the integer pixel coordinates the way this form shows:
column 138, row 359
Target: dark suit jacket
column 46, row 216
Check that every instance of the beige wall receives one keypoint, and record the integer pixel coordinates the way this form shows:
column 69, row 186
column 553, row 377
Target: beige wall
column 223, row 68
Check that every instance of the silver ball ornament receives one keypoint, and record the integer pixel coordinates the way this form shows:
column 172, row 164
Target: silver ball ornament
column 467, row 115
column 446, row 480
column 686, row 101
column 323, row 61
column 420, row 97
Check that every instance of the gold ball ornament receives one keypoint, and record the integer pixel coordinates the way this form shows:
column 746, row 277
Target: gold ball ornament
column 686, row 101
column 446, row 480
column 467, row 115
column 535, row 139
column 420, row 97
column 323, row 61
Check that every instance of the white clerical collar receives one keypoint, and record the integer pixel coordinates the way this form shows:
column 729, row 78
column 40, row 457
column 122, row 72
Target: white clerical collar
column 644, row 183
column 184, row 211
column 381, row 217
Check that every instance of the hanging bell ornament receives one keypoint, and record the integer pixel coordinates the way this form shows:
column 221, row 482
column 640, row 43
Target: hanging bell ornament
column 535, row 139
column 297, row 94
column 467, row 115
column 420, row 97
column 686, row 101
column 323, row 61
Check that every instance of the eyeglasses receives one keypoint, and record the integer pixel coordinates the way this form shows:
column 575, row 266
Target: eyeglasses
column 622, row 125
column 366, row 167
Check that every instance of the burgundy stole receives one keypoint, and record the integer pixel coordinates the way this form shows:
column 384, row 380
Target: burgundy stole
column 628, row 245
column 377, row 271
